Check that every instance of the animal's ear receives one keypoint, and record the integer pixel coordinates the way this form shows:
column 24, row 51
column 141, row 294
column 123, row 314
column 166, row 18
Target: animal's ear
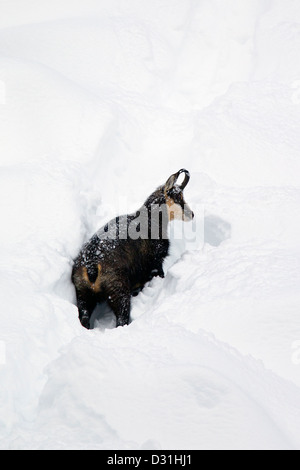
column 173, row 179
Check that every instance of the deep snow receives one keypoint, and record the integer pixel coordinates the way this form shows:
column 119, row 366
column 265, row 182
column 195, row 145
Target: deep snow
column 100, row 101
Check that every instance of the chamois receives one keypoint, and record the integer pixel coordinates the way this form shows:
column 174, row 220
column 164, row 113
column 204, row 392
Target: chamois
column 128, row 252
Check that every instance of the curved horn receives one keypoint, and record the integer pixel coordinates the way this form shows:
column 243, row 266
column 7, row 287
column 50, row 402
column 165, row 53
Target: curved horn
column 186, row 178
column 173, row 178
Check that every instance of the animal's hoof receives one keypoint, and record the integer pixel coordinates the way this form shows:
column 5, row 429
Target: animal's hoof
column 85, row 321
column 122, row 322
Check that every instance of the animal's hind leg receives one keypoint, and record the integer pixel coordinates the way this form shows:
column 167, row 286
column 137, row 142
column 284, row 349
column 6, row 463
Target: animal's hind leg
column 86, row 304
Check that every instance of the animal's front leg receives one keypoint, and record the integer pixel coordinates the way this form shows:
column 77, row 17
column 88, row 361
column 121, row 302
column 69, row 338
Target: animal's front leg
column 158, row 272
column 120, row 303
column 123, row 313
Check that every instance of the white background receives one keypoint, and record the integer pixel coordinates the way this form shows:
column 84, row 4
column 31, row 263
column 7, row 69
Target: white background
column 104, row 100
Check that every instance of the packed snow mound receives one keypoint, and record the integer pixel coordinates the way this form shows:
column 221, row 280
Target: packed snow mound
column 100, row 102
column 168, row 397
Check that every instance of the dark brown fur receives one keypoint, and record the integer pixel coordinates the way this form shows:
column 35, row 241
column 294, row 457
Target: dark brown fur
column 113, row 269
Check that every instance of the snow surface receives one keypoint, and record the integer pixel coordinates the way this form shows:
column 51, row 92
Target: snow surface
column 100, row 101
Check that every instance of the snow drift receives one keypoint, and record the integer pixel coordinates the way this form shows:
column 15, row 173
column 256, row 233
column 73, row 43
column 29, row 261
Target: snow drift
column 99, row 103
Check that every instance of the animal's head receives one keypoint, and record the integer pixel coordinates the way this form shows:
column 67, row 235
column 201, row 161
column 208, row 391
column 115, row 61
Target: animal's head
column 173, row 192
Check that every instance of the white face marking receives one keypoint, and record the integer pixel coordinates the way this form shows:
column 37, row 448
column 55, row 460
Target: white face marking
column 174, row 210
